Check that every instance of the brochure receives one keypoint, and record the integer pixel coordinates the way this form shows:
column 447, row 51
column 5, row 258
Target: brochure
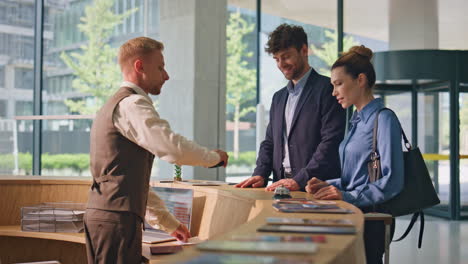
column 153, row 236
column 178, row 201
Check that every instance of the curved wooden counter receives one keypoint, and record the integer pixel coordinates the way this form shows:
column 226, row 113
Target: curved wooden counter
column 218, row 212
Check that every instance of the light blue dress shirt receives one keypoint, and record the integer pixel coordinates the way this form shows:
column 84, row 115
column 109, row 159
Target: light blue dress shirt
column 294, row 93
column 355, row 152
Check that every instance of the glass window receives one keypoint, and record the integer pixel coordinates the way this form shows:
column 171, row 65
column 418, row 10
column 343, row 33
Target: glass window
column 17, row 77
column 2, row 76
column 70, row 89
column 23, row 108
column 318, row 18
column 24, row 78
column 241, row 88
column 3, row 108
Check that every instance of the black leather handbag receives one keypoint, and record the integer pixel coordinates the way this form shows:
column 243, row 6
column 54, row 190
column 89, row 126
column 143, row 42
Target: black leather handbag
column 418, row 191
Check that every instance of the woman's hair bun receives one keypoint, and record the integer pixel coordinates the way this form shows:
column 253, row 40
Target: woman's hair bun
column 362, row 50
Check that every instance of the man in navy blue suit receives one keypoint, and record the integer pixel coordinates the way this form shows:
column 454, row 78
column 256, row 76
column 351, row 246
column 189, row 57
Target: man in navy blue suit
column 306, row 122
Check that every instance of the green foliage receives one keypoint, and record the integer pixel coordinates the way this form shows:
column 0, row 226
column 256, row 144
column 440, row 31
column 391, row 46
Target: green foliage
column 177, row 173
column 329, row 51
column 7, row 162
column 97, row 73
column 246, row 158
column 240, row 79
column 76, row 162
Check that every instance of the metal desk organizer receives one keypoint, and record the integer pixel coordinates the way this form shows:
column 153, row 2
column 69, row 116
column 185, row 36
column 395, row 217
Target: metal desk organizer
column 62, row 217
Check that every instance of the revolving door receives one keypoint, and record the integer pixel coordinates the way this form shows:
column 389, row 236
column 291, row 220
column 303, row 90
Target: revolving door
column 428, row 89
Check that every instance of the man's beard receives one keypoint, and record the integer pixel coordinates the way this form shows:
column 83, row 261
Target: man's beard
column 297, row 72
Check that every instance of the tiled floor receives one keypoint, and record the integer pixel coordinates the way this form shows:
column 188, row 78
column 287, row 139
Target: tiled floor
column 444, row 242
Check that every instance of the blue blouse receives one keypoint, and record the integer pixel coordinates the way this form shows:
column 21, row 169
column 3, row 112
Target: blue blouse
column 355, row 152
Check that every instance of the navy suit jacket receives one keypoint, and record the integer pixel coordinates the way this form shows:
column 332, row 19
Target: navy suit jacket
column 316, row 131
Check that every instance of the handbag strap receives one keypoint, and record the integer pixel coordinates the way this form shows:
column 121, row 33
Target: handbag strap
column 410, row 226
column 374, row 154
column 376, row 126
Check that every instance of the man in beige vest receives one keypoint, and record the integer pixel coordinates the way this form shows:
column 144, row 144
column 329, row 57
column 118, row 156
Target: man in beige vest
column 126, row 135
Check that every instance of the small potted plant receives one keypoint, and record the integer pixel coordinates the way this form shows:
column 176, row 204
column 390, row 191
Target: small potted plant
column 178, row 173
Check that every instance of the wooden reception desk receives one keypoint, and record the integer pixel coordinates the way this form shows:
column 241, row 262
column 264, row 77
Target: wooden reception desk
column 218, row 212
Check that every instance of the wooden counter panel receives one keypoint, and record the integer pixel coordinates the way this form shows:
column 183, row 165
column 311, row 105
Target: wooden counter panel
column 27, row 249
column 17, row 195
column 219, row 212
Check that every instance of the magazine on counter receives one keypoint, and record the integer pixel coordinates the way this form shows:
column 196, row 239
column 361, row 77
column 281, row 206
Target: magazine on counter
column 310, row 208
column 308, row 222
column 281, row 238
column 304, row 201
column 259, row 246
column 341, row 230
column 226, row 258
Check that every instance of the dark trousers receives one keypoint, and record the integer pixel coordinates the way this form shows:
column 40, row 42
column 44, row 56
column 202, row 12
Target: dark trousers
column 113, row 237
column 374, row 240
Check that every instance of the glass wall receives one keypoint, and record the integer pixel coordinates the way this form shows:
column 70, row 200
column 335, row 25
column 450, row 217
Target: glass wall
column 16, row 85
column 79, row 75
column 241, row 88
column 464, row 152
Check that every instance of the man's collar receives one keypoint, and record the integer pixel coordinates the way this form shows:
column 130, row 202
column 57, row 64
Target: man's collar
column 136, row 88
column 294, row 89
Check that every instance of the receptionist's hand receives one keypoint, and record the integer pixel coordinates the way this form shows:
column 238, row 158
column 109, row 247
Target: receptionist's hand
column 254, row 182
column 181, row 233
column 314, row 184
column 328, row 193
column 291, row 184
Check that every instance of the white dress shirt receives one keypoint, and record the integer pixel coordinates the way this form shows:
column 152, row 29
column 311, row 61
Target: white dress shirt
column 136, row 119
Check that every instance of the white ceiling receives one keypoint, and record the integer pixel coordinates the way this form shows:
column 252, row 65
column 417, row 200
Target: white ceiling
column 367, row 18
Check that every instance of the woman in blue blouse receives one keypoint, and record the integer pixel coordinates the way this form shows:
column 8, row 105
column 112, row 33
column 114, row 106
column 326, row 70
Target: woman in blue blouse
column 353, row 77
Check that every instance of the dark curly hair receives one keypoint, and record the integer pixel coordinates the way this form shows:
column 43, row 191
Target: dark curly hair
column 284, row 37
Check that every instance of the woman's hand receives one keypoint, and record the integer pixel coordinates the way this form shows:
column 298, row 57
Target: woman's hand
column 328, row 193
column 314, row 184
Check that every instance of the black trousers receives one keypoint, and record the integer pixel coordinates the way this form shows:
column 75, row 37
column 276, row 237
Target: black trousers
column 113, row 237
column 374, row 240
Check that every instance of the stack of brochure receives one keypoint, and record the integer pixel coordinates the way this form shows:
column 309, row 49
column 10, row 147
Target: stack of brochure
column 322, row 225
column 53, row 217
